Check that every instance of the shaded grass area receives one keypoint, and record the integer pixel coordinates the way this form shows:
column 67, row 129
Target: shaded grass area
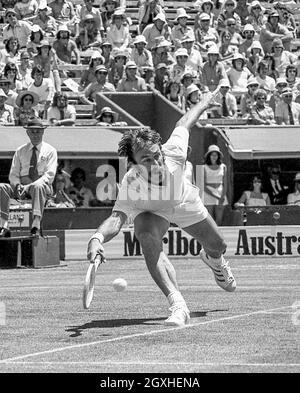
column 251, row 330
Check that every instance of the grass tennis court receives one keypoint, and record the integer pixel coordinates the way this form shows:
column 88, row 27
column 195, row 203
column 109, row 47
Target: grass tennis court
column 255, row 329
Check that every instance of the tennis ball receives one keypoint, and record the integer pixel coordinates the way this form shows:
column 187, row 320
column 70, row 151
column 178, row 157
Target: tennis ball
column 276, row 216
column 119, row 284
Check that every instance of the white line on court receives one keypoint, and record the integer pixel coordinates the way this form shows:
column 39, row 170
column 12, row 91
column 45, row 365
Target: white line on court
column 130, row 336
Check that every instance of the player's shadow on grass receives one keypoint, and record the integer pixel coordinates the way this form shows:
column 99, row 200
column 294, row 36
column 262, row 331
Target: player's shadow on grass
column 114, row 323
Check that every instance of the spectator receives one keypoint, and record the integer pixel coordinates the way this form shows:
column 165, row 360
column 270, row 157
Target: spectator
column 256, row 16
column 26, row 9
column 36, row 37
column 99, row 85
column 291, row 74
column 193, row 96
column 281, row 84
column 205, row 35
column 194, row 61
column 161, row 78
column 242, row 11
column 106, row 48
column 44, row 88
column 161, row 52
column 159, row 28
column 147, row 73
column 248, row 100
column 61, row 113
column 60, row 199
column 248, row 35
column 11, row 52
column 19, row 29
column 275, row 186
column 254, row 196
column 88, row 75
column 213, row 70
column 24, row 112
column 109, row 6
column 294, row 197
column 236, row 38
column 238, row 75
column 11, row 95
column 287, row 111
column 226, row 102
column 117, row 70
column 108, row 117
column 180, row 29
column 187, row 79
column 6, row 111
column 285, row 16
column 206, row 7
column 118, row 31
column 147, row 12
column 265, row 82
column 179, row 68
column 88, row 9
column 215, row 183
column 140, row 55
column 64, row 47
column 131, row 82
column 89, row 36
column 282, row 58
column 228, row 11
column 64, row 14
column 78, row 192
column 11, row 72
column 43, row 19
column 25, row 71
column 173, row 94
column 255, row 55
column 261, row 113
column 226, row 50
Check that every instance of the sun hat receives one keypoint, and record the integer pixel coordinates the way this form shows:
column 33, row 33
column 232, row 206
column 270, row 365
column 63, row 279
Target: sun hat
column 36, row 28
column 161, row 65
column 44, row 43
column 10, row 11
column 281, row 81
column 297, row 177
column 181, row 52
column 252, row 81
column 119, row 52
column 277, row 42
column 140, row 38
column 181, row 13
column 187, row 38
column 161, row 42
column 108, row 109
column 96, row 55
column 35, row 123
column 225, row 83
column 24, row 93
column 160, row 16
column 255, row 4
column 101, row 67
column 190, row 89
column 130, row 64
column 248, row 27
column 213, row 148
column 204, row 16
column 213, row 50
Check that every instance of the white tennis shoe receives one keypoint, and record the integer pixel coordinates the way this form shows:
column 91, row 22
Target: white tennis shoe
column 222, row 272
column 180, row 316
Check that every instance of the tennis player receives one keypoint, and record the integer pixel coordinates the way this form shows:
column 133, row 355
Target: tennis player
column 154, row 193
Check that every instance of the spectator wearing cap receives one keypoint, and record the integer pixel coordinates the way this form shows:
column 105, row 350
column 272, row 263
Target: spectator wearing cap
column 213, row 70
column 207, row 7
column 32, row 172
column 174, row 94
column 11, row 95
column 131, row 82
column 108, row 117
column 179, row 68
column 161, row 78
column 275, row 98
column 11, row 72
column 36, row 37
column 89, row 35
column 147, row 12
column 47, row 59
column 248, row 100
column 117, row 33
column 88, row 9
column 88, row 75
column 265, row 82
column 117, row 69
column 25, row 9
column 255, row 55
column 161, row 52
column 106, row 48
column 261, row 113
column 226, row 102
column 293, row 198
column 228, row 10
column 44, row 88
column 100, row 85
column 11, row 51
column 256, row 16
column 64, row 13
column 238, row 74
column 282, row 58
column 108, row 7
column 24, row 110
column 248, row 35
column 61, row 113
column 287, row 112
column 159, row 28
column 16, row 28
column 25, row 69
column 205, row 35
column 64, row 47
column 194, row 60
column 139, row 54
column 187, row 80
column 43, row 19
column 273, row 29
column 6, row 111
column 181, row 28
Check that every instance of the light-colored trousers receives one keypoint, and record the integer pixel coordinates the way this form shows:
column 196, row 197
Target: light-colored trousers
column 39, row 194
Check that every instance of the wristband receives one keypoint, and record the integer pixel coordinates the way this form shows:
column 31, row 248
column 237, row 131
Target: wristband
column 98, row 236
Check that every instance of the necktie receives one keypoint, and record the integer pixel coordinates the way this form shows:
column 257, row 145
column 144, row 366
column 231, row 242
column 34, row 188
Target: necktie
column 225, row 107
column 291, row 117
column 33, row 172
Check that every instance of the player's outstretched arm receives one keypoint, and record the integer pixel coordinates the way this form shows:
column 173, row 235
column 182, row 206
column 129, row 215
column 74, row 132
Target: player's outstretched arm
column 106, row 231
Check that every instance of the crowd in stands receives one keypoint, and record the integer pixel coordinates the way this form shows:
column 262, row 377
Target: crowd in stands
column 247, row 49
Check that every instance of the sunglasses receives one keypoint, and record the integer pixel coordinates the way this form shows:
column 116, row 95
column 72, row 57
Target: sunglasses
column 275, row 172
column 102, row 73
column 261, row 98
column 256, row 8
column 288, row 96
column 231, row 24
column 291, row 69
column 28, row 99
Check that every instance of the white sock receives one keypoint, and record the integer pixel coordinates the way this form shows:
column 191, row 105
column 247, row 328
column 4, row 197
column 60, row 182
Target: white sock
column 36, row 222
column 175, row 298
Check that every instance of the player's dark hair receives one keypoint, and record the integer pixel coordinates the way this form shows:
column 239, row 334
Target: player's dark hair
column 134, row 140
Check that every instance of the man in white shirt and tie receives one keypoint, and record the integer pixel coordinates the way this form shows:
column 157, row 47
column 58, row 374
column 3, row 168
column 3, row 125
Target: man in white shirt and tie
column 32, row 173
column 275, row 187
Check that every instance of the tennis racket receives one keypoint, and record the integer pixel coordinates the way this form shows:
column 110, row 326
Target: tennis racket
column 89, row 282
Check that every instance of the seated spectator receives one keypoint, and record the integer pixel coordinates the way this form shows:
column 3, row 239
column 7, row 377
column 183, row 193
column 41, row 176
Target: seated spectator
column 108, row 117
column 228, row 11
column 226, row 106
column 131, row 82
column 64, row 47
column 256, row 16
column 106, row 48
column 89, row 35
column 193, row 96
column 275, row 186
column 117, row 69
column 6, row 111
column 194, row 61
column 275, row 98
column 10, row 71
column 101, row 84
column 44, row 88
column 60, row 198
column 161, row 78
column 147, row 12
column 25, row 70
column 26, row 101
column 213, row 70
column 286, row 17
column 181, row 28
column 19, row 29
column 247, row 100
column 147, row 73
column 81, row 195
column 254, row 196
column 291, row 74
column 265, row 82
column 179, row 68
column 88, row 76
column 109, row 7
column 287, row 112
column 88, row 9
column 61, row 113
column 205, row 35
column 226, row 50
column 174, row 95
column 64, row 13
column 11, row 95
column 242, row 10
column 282, row 58
column 36, row 37
column 11, row 51
column 26, row 8
column 161, row 52
column 294, row 197
column 187, row 79
column 43, row 19
column 238, row 74
column 261, row 113
column 255, row 55
column 117, row 33
column 140, row 55
column 159, row 28
column 248, row 35
column 236, row 39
